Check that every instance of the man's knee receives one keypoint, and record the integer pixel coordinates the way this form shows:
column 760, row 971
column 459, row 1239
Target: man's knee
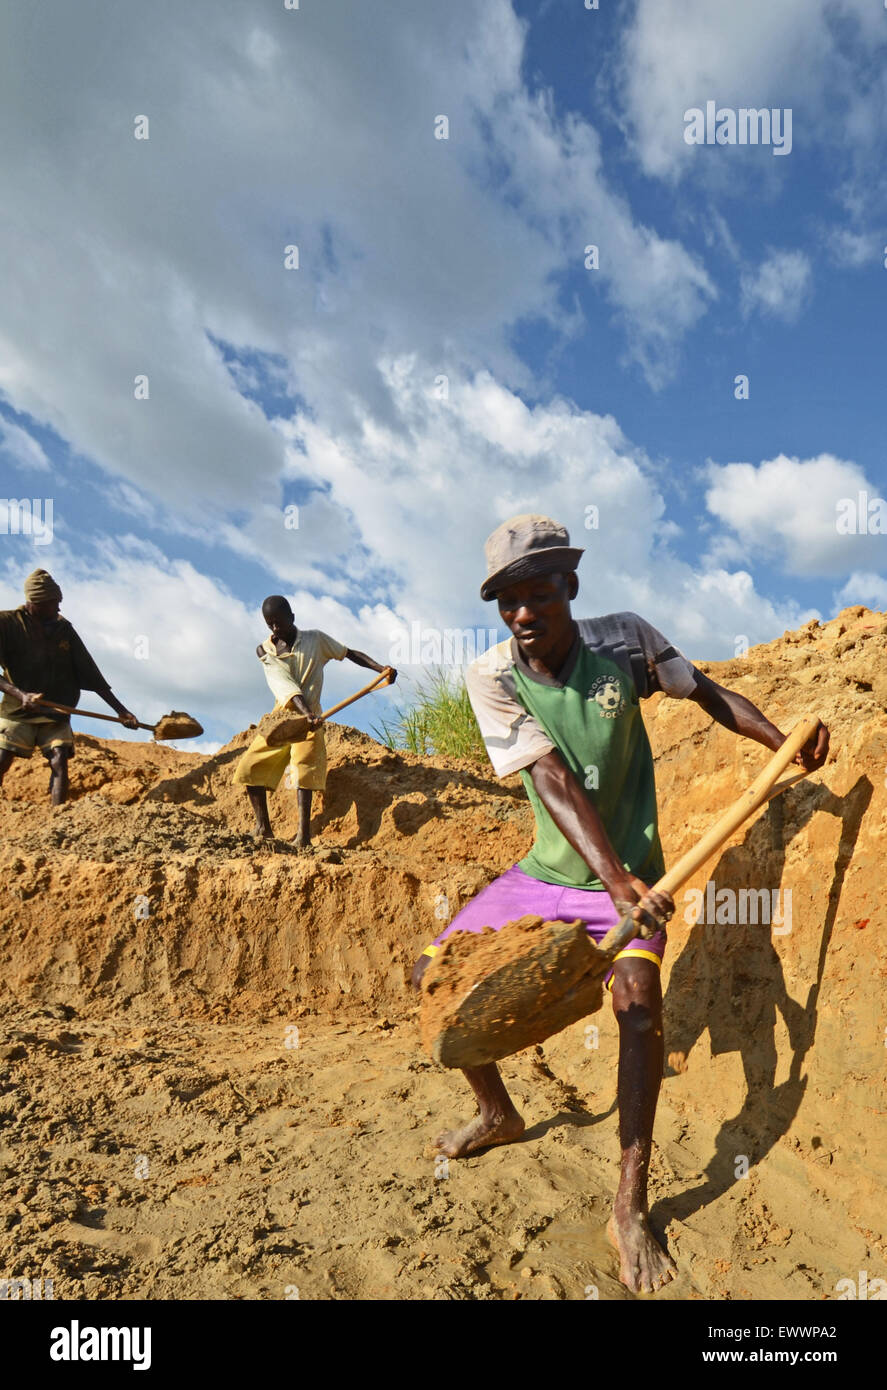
column 58, row 758
column 637, row 990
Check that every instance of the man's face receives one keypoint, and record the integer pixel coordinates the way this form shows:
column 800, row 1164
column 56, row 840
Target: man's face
column 281, row 622
column 46, row 611
column 537, row 611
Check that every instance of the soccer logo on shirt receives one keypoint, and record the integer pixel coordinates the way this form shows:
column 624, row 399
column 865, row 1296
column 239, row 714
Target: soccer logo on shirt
column 606, row 692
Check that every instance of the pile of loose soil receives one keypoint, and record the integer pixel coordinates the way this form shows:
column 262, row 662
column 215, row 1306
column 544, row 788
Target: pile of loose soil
column 177, row 724
column 488, row 995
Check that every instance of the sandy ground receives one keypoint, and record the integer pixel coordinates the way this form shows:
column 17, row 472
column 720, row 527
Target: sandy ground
column 163, row 1136
column 200, row 1161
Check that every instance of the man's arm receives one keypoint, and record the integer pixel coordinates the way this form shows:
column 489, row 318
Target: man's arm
column 581, row 826
column 126, row 716
column 89, row 677
column 31, row 700
column 361, row 659
column 26, row 698
column 740, row 716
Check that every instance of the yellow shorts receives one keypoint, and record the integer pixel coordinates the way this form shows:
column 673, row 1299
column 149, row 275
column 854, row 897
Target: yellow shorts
column 262, row 766
column 22, row 736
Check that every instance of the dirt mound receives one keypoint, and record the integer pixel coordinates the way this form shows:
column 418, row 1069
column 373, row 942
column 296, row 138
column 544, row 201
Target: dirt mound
column 145, row 904
column 148, row 887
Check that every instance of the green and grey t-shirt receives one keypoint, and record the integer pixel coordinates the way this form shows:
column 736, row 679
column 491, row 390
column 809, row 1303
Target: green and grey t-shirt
column 591, row 714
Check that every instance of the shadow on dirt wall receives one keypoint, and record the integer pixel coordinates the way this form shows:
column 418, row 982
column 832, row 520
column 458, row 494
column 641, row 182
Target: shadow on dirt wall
column 729, row 979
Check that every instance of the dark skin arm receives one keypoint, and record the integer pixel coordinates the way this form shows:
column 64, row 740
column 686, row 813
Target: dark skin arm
column 30, row 700
column 578, row 821
column 740, row 716
column 361, row 659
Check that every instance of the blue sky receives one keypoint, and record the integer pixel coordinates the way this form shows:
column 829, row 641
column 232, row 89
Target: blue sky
column 422, row 259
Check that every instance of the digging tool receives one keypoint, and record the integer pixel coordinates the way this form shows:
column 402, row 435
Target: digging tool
column 176, row 724
column 559, row 978
column 295, row 728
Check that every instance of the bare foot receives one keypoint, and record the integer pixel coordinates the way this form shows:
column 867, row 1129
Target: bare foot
column 643, row 1264
column 301, row 842
column 260, row 833
column 480, row 1134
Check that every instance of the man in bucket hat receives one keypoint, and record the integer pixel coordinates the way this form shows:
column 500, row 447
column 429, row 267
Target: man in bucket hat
column 559, row 703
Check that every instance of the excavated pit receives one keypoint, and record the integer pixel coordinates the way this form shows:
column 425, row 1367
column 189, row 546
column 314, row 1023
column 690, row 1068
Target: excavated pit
column 157, row 963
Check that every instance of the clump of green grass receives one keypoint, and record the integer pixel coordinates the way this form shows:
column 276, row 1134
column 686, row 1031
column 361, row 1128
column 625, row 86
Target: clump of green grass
column 439, row 719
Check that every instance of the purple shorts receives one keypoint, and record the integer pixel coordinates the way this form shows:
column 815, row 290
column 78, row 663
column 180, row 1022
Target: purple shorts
column 515, row 894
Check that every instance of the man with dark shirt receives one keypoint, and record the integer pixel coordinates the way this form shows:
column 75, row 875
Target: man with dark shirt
column 559, row 702
column 43, row 657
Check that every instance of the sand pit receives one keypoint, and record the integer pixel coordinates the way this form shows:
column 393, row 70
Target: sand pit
column 238, row 1015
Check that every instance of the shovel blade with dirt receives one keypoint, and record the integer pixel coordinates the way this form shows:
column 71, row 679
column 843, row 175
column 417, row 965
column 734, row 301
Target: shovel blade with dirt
column 487, row 995
column 176, row 724
column 293, row 728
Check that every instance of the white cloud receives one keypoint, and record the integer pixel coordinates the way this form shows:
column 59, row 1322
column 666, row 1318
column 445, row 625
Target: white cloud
column 862, row 587
column 779, row 287
column 786, row 510
column 22, row 448
column 549, row 458
column 681, row 53
column 272, row 131
column 854, row 249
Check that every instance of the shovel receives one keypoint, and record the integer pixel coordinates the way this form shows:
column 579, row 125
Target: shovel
column 558, row 979
column 176, row 724
column 296, row 727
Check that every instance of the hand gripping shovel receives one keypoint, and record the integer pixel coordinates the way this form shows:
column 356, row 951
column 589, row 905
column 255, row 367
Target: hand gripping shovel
column 537, row 989
column 294, row 728
column 172, row 725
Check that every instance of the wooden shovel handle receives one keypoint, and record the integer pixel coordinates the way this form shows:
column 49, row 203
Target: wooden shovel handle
column 384, row 678
column 761, row 790
column 91, row 714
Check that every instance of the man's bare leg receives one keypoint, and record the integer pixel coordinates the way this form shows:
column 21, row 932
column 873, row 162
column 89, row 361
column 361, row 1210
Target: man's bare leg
column 58, row 777
column 258, row 799
column 497, row 1121
column 5, row 763
column 303, row 838
column 637, row 1002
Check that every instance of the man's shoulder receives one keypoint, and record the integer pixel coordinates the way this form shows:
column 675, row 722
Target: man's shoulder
column 492, row 664
column 610, row 629
column 607, row 622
